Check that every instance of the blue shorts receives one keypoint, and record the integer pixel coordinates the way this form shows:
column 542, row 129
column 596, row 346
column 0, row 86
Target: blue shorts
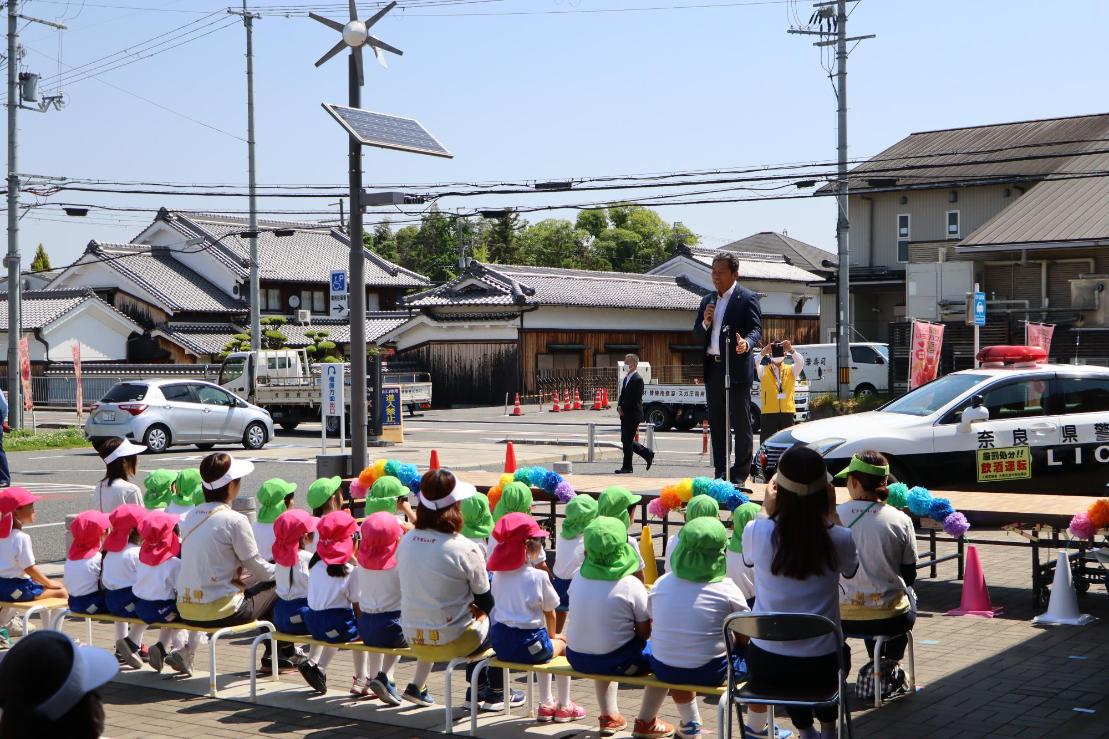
column 711, row 674
column 19, row 589
column 289, row 616
column 523, row 646
column 381, row 630
column 157, row 611
column 334, row 625
column 90, row 604
column 562, row 587
column 629, row 660
column 120, row 602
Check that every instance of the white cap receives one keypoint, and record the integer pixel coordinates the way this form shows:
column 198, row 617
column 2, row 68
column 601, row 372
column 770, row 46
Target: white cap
column 239, row 468
column 126, row 449
column 91, row 668
column 462, row 491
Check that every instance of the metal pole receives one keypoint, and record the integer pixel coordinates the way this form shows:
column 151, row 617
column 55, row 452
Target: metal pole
column 592, row 434
column 727, row 332
column 15, row 403
column 976, row 333
column 255, row 289
column 358, row 396
column 843, row 274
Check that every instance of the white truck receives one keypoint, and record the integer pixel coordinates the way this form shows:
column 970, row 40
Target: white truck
column 683, row 406
column 286, row 384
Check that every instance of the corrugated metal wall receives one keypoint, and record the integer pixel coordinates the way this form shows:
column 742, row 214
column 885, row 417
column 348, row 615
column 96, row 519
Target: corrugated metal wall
column 478, row 373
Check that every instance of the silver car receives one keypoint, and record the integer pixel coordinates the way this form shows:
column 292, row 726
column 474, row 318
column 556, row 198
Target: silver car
column 163, row 413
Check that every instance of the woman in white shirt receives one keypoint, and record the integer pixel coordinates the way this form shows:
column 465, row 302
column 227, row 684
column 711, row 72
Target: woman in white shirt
column 799, row 554
column 876, row 601
column 121, row 462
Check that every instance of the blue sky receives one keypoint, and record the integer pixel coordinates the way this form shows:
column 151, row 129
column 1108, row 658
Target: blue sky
column 539, row 96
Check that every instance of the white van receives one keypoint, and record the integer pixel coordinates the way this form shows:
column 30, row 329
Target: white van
column 869, row 367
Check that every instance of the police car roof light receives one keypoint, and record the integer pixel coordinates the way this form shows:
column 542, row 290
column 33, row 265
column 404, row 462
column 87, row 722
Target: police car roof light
column 1012, row 356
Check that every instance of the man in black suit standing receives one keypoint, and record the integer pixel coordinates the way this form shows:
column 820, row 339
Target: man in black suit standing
column 736, row 309
column 630, row 407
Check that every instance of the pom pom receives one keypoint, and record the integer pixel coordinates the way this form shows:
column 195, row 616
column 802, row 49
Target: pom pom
column 564, row 491
column 701, row 485
column 669, row 498
column 734, row 500
column 379, row 467
column 919, row 501
column 506, row 478
column 684, row 490
column 357, row 490
column 899, row 492
column 536, row 476
column 657, row 509
column 940, row 509
column 1099, row 513
column 408, row 473
column 720, row 489
column 956, row 525
column 494, row 496
column 1081, row 527
column 367, row 478
column 414, row 486
column 551, row 481
column 523, row 475
column 391, row 467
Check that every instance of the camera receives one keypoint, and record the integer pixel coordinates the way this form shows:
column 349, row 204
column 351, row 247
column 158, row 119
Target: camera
column 777, row 349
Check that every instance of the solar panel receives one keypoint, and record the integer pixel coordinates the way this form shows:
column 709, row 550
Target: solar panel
column 387, row 131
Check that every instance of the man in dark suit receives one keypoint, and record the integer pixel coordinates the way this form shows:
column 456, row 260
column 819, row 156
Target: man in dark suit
column 736, row 308
column 630, row 407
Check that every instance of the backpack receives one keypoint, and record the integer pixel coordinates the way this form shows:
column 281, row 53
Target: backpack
column 892, row 677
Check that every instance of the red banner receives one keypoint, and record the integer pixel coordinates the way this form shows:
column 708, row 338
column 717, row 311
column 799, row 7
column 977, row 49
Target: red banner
column 25, row 374
column 75, row 347
column 924, row 355
column 1039, row 334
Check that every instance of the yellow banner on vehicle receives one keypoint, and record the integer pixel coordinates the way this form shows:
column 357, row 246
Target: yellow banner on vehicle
column 1007, row 463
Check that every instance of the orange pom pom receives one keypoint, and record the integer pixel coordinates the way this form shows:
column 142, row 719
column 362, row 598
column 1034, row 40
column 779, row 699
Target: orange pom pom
column 1099, row 513
column 670, row 497
column 367, row 478
column 494, row 497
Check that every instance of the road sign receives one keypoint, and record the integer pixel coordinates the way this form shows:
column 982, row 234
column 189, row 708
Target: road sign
column 338, row 281
column 977, row 315
column 332, row 399
column 340, row 294
column 390, row 406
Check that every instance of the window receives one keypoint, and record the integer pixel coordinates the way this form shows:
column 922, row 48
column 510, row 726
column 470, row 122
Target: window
column 271, row 299
column 178, row 393
column 903, row 235
column 277, row 363
column 1020, row 399
column 1085, row 394
column 864, row 355
column 209, row 395
column 927, row 399
column 125, row 392
column 318, row 301
column 952, row 224
column 556, row 361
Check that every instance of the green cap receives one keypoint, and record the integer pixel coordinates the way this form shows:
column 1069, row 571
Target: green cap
column 158, row 484
column 608, row 555
column 271, row 499
column 477, row 521
column 383, row 495
column 515, row 498
column 701, row 506
column 322, row 489
column 580, row 512
column 614, row 503
column 188, row 488
column 699, row 556
column 857, row 465
column 741, row 516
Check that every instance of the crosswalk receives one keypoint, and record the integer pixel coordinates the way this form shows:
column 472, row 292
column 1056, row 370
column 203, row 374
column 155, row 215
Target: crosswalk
column 55, row 488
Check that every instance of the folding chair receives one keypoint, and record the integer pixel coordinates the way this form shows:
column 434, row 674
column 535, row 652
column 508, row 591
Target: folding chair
column 783, row 627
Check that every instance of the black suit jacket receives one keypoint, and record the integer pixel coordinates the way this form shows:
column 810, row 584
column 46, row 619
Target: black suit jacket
column 743, row 315
column 631, row 398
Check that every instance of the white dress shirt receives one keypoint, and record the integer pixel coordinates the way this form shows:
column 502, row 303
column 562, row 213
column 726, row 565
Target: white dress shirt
column 718, row 320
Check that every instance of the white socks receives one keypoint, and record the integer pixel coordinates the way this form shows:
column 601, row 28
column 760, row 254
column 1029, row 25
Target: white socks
column 121, row 629
column 607, row 694
column 164, row 637
column 689, row 711
column 373, row 664
column 314, row 652
column 388, row 666
column 545, row 695
column 361, row 662
column 136, row 634
column 419, row 678
column 653, row 698
column 326, row 655
column 562, row 686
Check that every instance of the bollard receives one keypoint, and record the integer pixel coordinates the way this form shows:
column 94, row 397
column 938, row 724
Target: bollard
column 68, row 536
column 592, row 434
column 246, row 506
column 650, row 439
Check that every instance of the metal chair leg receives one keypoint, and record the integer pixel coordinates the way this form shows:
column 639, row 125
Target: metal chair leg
column 879, row 642
column 475, row 680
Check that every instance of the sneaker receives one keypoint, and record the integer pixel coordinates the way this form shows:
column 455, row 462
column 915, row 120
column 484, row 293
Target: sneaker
column 547, row 711
column 779, row 732
column 689, row 729
column 142, row 651
column 157, row 656
column 385, row 689
column 15, row 627
column 360, row 688
column 568, row 713
column 127, row 653
column 495, row 702
column 656, row 729
column 179, row 662
column 609, row 725
column 419, row 696
column 5, row 642
column 314, row 676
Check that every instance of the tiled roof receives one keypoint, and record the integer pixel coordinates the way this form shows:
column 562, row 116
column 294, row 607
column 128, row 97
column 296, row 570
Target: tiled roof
column 754, row 266
column 502, row 284
column 199, row 338
column 211, row 338
column 805, row 256
column 177, row 287
column 42, row 307
column 307, row 256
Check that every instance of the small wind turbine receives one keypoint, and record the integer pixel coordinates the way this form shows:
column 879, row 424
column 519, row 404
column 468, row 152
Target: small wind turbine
column 356, row 34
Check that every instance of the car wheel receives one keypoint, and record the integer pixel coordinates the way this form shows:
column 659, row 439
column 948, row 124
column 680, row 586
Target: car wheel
column 205, row 447
column 685, row 420
column 658, row 416
column 290, row 425
column 255, row 436
column 157, row 438
column 865, row 390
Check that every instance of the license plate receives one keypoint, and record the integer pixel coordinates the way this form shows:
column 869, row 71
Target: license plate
column 108, row 417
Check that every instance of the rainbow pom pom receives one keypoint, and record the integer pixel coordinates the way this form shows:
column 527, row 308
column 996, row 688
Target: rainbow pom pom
column 506, row 478
column 669, row 498
column 414, row 486
column 899, row 492
column 1098, row 513
column 656, row 509
column 551, row 481
column 367, row 478
column 919, row 501
column 734, row 500
column 685, row 488
column 523, row 475
column 940, row 509
column 494, row 496
column 407, row 473
column 956, row 525
column 701, row 485
column 564, row 491
column 391, row 467
column 1081, row 527
column 536, row 476
column 720, row 490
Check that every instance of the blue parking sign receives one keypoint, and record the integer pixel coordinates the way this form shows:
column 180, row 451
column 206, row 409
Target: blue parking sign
column 339, row 282
column 979, row 302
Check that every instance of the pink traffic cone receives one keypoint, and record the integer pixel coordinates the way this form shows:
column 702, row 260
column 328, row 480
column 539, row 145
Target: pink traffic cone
column 976, row 598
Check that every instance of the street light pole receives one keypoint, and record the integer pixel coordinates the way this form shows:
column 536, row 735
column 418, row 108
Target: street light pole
column 359, row 418
column 15, row 323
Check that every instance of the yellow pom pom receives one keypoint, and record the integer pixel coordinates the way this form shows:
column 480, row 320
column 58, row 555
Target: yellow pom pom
column 379, row 467
column 494, row 496
column 505, row 479
column 685, row 489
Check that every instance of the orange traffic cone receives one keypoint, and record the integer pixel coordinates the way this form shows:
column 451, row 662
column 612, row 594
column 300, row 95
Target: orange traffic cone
column 976, row 599
column 566, row 399
column 510, row 459
column 604, row 398
column 704, row 438
column 434, row 463
column 577, row 400
column 554, row 403
column 596, row 401
column 516, row 409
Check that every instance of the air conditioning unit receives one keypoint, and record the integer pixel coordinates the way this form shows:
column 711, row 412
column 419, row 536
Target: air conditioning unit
column 304, row 316
column 1086, row 296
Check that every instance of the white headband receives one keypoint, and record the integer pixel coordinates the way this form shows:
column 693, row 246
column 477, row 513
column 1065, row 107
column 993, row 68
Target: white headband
column 125, row 449
column 239, row 468
column 462, row 491
column 798, row 488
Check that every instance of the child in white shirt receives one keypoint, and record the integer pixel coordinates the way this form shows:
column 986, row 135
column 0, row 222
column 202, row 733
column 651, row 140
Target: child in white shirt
column 121, row 559
column 569, row 551
column 84, row 561
column 293, row 532
column 274, row 498
column 699, row 506
column 121, row 462
column 20, row 579
column 477, row 521
column 389, row 494
column 155, row 586
column 187, row 493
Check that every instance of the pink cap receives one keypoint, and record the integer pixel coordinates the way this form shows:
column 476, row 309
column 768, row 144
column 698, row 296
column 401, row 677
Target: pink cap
column 288, row 528
column 381, row 533
column 512, row 533
column 86, row 531
column 13, row 498
column 336, row 532
column 124, row 519
column 159, row 541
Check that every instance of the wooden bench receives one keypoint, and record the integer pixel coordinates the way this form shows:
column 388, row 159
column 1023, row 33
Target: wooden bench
column 357, row 646
column 560, row 667
column 40, row 607
column 214, row 635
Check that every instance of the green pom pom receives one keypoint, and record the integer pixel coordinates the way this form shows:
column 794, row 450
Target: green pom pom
column 898, row 497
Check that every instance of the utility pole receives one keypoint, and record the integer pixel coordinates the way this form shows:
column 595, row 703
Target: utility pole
column 252, row 185
column 359, row 413
column 830, row 19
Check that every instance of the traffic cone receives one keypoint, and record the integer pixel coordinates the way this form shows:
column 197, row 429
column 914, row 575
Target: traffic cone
column 1062, row 610
column 434, row 463
column 704, row 438
column 566, row 400
column 554, row 404
column 516, row 409
column 577, row 400
column 510, row 459
column 604, row 399
column 596, row 401
column 976, row 598
column 647, row 551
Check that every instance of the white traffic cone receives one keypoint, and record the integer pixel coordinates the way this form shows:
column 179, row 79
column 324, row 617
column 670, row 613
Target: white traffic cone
column 1062, row 609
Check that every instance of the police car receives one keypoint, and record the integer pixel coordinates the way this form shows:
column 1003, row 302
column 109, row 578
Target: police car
column 1014, row 424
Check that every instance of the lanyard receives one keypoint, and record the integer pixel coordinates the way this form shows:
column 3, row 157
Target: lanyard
column 207, row 517
column 776, row 370
column 872, row 504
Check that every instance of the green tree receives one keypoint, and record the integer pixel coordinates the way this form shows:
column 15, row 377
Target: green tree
column 272, row 337
column 321, row 349
column 500, row 239
column 555, row 242
column 594, row 222
column 634, row 238
column 41, row 262
column 382, row 241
